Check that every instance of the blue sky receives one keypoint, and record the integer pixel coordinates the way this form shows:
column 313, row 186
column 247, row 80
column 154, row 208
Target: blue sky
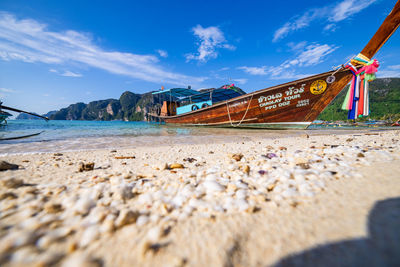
column 55, row 53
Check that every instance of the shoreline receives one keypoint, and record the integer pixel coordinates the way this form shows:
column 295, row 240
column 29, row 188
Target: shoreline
column 200, row 204
column 218, row 135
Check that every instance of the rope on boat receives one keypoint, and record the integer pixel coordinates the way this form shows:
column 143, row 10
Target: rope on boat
column 229, row 114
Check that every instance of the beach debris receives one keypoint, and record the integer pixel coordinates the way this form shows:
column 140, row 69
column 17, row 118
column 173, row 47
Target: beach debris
column 190, row 160
column 270, row 155
column 12, row 182
column 126, row 217
column 125, row 157
column 303, row 165
column 53, row 207
column 58, row 154
column 8, row 195
column 262, row 172
column 237, row 156
column 360, row 155
column 246, row 169
column 176, row 166
column 5, row 166
column 86, row 166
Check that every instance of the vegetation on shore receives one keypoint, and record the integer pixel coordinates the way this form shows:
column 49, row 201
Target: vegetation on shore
column 384, row 102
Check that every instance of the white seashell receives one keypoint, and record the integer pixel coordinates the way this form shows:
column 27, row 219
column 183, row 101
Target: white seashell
column 241, row 185
column 178, row 201
column 211, row 177
column 80, row 259
column 126, row 217
column 214, row 169
column 142, row 220
column 145, row 198
column 299, row 178
column 212, row 186
column 218, row 208
column 116, row 180
column 53, row 236
column 155, row 218
column 242, row 204
column 158, row 195
column 232, row 167
column 241, row 194
column 290, row 192
column 108, row 224
column 89, row 235
column 24, row 256
column 123, row 192
column 278, row 198
column 188, row 209
column 83, row 205
column 154, row 234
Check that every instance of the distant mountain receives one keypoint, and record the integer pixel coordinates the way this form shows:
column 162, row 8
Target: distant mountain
column 129, row 107
column 384, row 96
column 24, row 116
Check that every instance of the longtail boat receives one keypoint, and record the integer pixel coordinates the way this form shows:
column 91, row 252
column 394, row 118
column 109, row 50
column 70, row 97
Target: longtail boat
column 290, row 105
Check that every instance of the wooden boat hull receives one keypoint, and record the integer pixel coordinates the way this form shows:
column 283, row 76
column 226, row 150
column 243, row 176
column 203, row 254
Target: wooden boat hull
column 291, row 105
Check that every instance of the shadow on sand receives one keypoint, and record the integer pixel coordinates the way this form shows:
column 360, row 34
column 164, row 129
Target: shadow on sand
column 380, row 248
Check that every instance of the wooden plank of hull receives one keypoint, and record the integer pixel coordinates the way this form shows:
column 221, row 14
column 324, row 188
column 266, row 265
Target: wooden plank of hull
column 275, row 107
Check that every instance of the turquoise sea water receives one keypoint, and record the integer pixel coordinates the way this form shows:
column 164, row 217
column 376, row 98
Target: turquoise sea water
column 87, row 135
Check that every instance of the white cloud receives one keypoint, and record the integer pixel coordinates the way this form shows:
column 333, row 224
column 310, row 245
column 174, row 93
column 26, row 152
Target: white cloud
column 240, row 81
column 7, row 90
column 347, row 8
column 210, row 39
column 330, row 13
column 389, row 72
column 330, row 27
column 254, row 70
column 66, row 73
column 162, row 53
column 71, row 74
column 224, row 69
column 30, row 41
column 312, row 55
column 307, row 55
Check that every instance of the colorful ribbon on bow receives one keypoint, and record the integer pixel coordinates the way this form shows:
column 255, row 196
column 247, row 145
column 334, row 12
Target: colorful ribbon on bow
column 357, row 97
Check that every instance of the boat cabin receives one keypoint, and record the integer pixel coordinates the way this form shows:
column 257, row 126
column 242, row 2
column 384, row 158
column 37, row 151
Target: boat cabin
column 183, row 100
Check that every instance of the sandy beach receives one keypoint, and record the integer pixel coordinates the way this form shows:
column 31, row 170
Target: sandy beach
column 321, row 200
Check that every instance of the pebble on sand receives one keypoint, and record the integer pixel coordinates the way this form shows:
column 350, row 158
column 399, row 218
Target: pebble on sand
column 4, row 166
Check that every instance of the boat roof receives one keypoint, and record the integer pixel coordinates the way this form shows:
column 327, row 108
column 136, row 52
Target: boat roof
column 185, row 94
column 178, row 92
column 217, row 95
